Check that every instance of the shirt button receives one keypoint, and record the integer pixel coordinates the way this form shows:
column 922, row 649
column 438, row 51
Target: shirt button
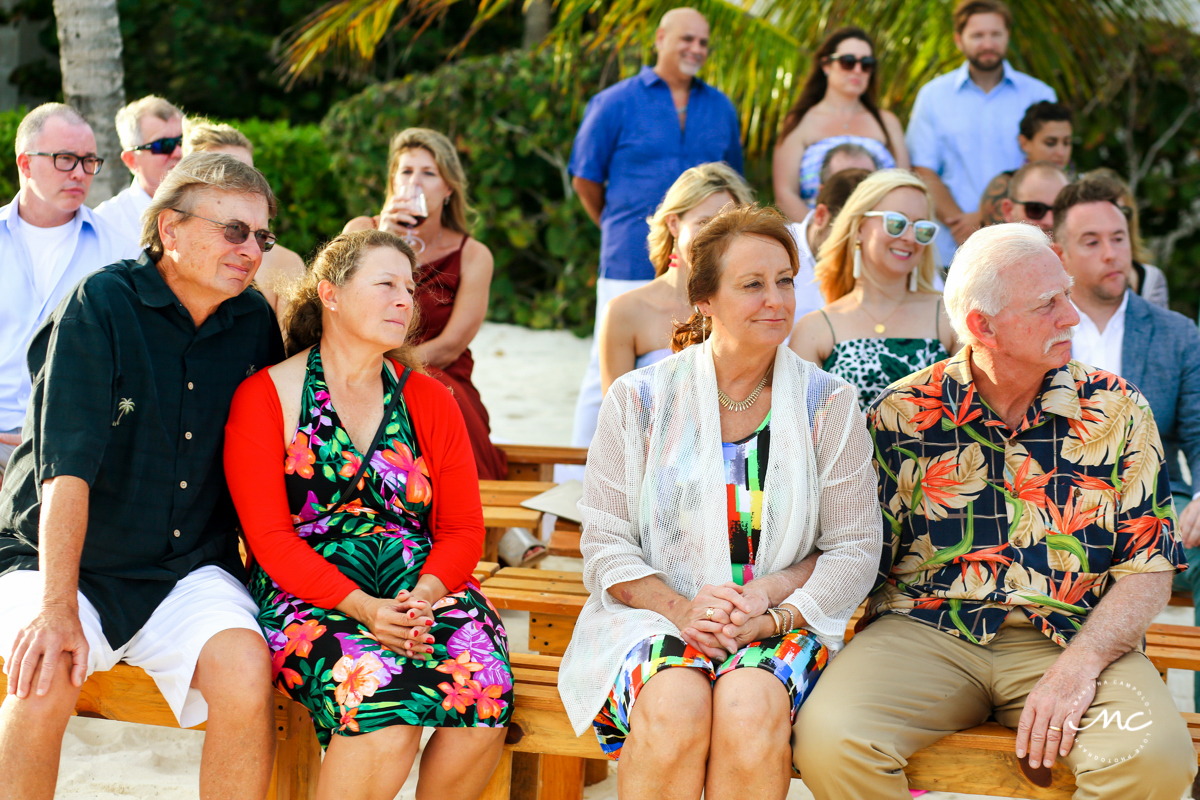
column 176, row 533
column 190, row 385
column 187, row 435
column 183, row 484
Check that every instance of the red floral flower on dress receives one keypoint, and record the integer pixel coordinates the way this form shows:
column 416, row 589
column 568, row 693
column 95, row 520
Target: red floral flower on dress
column 278, row 670
column 460, row 668
column 301, row 636
column 458, row 697
column 416, row 475
column 350, row 467
column 487, row 700
column 347, row 720
column 300, row 457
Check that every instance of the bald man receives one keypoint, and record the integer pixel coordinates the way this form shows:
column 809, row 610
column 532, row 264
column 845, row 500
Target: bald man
column 1031, row 194
column 637, row 137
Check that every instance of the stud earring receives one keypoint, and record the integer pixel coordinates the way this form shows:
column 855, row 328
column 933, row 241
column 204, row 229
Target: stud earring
column 857, row 260
column 912, row 280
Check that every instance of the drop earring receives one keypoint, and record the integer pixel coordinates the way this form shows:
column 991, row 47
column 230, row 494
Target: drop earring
column 857, row 260
column 673, row 261
column 912, row 280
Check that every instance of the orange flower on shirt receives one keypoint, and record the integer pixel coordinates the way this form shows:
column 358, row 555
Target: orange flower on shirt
column 459, row 669
column 458, row 697
column 300, row 457
column 301, row 636
column 487, row 702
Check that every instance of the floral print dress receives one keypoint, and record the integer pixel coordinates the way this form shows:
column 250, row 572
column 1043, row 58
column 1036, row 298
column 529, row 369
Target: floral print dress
column 327, row 660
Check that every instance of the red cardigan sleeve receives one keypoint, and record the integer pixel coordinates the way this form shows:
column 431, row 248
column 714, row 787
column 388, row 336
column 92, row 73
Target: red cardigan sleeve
column 456, row 521
column 254, row 456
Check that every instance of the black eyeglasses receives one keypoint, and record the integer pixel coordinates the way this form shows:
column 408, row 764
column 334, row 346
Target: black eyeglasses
column 848, row 61
column 238, row 232
column 65, row 162
column 1033, row 209
column 161, row 147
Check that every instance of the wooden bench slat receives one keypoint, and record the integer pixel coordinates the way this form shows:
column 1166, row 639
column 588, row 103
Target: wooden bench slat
column 520, row 573
column 1181, row 599
column 564, row 542
column 543, row 454
column 499, row 583
column 510, row 517
column 511, row 493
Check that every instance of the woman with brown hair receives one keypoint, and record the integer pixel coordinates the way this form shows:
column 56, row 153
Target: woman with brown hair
column 836, row 106
column 355, row 485
column 453, row 277
column 729, row 531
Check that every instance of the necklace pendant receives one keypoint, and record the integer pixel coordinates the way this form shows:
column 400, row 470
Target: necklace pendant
column 879, row 327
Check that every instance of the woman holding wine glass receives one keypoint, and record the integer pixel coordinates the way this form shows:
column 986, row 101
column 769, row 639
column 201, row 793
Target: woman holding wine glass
column 426, row 205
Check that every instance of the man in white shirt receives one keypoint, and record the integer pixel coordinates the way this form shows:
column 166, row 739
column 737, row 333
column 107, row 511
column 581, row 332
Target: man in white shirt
column 48, row 240
column 814, row 229
column 151, row 131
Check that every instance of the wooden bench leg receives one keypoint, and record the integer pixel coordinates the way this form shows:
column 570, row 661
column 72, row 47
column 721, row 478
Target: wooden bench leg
column 297, row 758
column 595, row 771
column 545, row 777
column 498, row 786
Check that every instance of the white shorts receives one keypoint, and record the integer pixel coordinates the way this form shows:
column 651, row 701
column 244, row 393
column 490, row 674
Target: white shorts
column 167, row 647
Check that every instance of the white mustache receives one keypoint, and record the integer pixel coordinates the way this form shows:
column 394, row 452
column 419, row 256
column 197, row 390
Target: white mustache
column 1065, row 336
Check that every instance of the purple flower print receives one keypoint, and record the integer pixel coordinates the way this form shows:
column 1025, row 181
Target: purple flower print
column 307, row 512
column 472, row 638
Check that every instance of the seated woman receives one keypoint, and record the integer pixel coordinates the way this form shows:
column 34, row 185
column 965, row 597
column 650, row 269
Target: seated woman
column 355, row 485
column 884, row 319
column 453, row 277
column 280, row 266
column 836, row 106
column 1045, row 135
column 729, row 528
column 637, row 328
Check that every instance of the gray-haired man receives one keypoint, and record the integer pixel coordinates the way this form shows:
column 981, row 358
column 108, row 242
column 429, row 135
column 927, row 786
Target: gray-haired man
column 151, row 131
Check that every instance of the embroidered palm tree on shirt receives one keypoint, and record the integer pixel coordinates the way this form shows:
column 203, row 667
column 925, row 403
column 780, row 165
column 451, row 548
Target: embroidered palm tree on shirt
column 125, row 406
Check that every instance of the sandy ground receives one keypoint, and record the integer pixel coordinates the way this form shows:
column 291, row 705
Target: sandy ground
column 529, row 381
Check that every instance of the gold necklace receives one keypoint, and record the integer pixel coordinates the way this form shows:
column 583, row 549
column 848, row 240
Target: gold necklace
column 879, row 324
column 742, row 405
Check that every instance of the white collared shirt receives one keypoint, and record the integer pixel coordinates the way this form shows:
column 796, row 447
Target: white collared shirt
column 24, row 307
column 1100, row 349
column 124, row 211
column 808, row 294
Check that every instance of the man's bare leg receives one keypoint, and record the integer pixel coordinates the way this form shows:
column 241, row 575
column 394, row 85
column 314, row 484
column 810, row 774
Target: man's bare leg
column 234, row 675
column 31, row 733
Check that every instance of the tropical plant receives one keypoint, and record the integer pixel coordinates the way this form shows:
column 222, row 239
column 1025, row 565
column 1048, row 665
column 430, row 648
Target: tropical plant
column 761, row 47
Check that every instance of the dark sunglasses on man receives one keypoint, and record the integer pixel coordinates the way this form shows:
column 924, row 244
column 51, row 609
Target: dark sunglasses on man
column 237, row 232
column 65, row 162
column 848, row 61
column 162, row 147
column 1033, row 209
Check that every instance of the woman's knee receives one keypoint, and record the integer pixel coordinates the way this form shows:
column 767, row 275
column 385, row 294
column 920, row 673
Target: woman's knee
column 675, row 706
column 751, row 713
column 388, row 743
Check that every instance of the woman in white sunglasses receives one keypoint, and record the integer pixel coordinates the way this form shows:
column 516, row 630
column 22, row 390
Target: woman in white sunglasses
column 883, row 317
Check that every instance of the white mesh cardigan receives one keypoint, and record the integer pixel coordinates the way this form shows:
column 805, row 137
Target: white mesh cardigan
column 654, row 504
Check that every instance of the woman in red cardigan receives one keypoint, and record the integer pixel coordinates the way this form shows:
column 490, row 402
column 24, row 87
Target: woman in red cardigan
column 356, row 486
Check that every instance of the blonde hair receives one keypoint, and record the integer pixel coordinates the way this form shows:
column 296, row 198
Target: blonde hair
column 835, row 264
column 337, row 262
column 194, row 175
column 129, row 119
column 457, row 212
column 691, row 189
column 708, row 260
column 201, row 135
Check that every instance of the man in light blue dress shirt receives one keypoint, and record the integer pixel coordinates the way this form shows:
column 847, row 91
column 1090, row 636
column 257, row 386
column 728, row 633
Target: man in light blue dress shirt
column 49, row 240
column 964, row 124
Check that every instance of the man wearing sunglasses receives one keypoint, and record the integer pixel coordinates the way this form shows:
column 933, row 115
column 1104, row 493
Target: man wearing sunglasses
column 49, row 240
column 1031, row 193
column 117, row 536
column 151, row 131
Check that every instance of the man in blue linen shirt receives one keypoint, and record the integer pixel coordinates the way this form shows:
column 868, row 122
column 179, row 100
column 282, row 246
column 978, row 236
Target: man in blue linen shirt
column 637, row 137
column 49, row 240
column 964, row 124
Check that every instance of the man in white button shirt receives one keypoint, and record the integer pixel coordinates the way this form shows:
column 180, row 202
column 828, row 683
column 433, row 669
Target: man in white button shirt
column 151, row 131
column 1156, row 350
column 49, row 240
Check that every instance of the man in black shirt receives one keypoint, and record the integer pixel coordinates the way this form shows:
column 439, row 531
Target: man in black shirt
column 117, row 533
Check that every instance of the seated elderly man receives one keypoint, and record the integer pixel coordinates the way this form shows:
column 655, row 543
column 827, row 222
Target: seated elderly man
column 117, row 538
column 1032, row 540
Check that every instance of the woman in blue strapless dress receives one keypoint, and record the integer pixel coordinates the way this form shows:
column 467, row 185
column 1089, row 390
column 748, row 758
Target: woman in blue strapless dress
column 637, row 326
column 835, row 117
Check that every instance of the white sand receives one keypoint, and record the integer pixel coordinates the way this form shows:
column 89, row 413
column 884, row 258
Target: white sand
column 529, row 381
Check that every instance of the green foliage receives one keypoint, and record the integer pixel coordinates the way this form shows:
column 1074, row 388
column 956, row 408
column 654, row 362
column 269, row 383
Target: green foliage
column 9, row 120
column 514, row 129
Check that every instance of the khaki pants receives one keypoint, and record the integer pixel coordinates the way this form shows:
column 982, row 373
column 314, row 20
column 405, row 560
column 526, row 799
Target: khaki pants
column 901, row 685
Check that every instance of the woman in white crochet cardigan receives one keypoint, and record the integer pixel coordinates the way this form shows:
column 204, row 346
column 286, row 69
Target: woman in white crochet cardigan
column 730, row 527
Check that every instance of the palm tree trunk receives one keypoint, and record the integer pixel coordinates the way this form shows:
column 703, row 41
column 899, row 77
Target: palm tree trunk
column 89, row 40
column 538, row 17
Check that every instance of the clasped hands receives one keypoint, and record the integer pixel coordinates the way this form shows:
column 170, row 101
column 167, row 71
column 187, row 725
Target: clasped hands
column 401, row 624
column 738, row 617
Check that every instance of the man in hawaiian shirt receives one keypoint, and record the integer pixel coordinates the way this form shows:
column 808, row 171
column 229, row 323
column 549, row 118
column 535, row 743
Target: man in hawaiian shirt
column 1032, row 540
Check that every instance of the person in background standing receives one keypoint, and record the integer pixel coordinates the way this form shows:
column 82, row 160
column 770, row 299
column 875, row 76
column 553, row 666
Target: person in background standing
column 637, row 137
column 1045, row 135
column 964, row 124
column 151, row 131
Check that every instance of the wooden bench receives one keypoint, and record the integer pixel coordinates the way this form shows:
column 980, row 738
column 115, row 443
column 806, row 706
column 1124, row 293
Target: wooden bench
column 502, row 510
column 1181, row 599
column 536, row 462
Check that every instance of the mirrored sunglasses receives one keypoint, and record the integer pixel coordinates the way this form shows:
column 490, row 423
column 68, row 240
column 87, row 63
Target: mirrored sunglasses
column 162, row 147
column 238, row 232
column 848, row 61
column 895, row 224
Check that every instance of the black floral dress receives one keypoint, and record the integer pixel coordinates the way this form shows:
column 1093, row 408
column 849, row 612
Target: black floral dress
column 327, row 660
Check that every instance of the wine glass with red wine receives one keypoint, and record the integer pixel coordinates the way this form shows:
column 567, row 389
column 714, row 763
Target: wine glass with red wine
column 412, row 199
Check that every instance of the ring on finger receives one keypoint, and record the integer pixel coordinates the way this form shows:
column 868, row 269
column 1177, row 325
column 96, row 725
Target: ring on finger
column 1053, row 728
column 708, row 614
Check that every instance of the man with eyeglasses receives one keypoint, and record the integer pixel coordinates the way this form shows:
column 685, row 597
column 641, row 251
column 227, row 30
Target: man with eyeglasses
column 964, row 124
column 1031, row 193
column 49, row 240
column 151, row 131
column 118, row 538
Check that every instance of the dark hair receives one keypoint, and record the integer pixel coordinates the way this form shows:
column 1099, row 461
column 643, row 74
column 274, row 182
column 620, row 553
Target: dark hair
column 837, row 190
column 1042, row 112
column 1090, row 188
column 969, row 8
column 816, row 83
column 707, row 257
column 303, row 322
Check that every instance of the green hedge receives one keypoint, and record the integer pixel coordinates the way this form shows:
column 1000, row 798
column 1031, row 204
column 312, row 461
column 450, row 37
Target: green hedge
column 514, row 132
column 9, row 183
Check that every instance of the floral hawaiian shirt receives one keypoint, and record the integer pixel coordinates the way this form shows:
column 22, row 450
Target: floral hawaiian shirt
column 981, row 519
